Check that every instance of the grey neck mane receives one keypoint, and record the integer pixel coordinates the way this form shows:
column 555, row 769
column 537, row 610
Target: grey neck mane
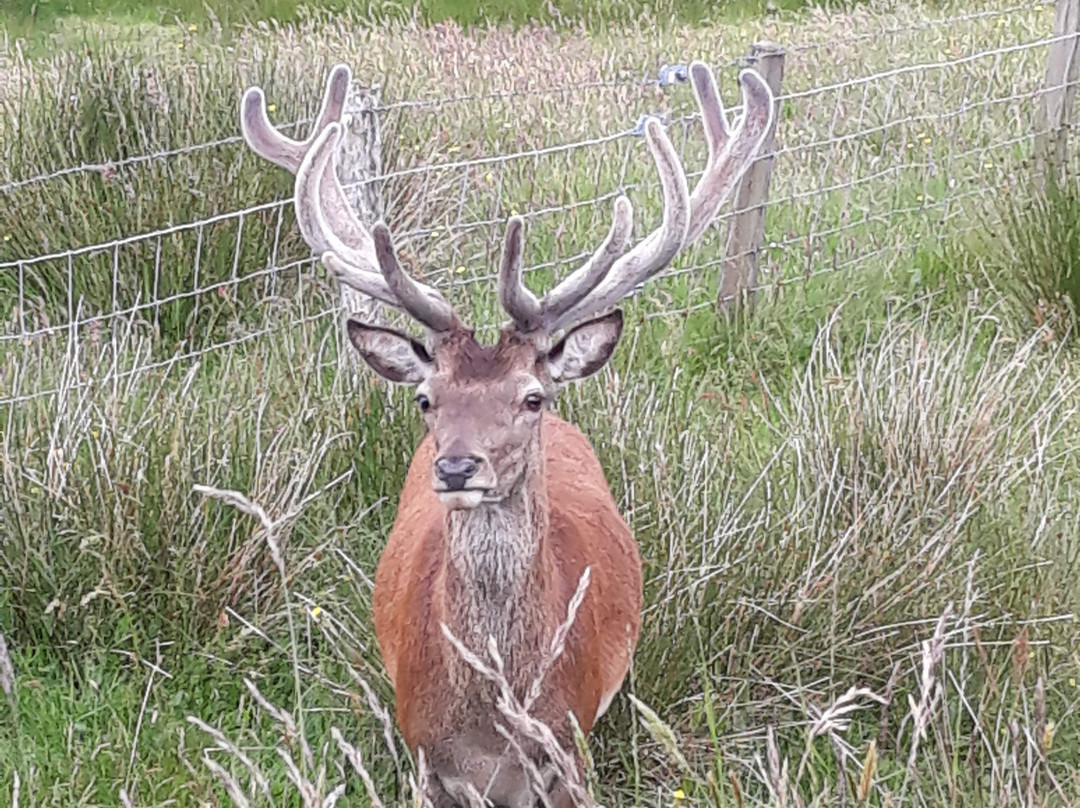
column 492, row 546
column 492, row 549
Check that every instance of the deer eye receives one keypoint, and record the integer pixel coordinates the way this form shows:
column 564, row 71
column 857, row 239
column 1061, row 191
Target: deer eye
column 423, row 402
column 534, row 401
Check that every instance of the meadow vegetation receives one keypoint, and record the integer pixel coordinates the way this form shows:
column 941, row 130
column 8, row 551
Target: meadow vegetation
column 856, row 507
column 35, row 20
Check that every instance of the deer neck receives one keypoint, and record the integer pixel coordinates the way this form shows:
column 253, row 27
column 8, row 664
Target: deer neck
column 493, row 554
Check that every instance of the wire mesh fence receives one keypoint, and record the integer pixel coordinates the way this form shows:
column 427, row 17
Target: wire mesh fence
column 890, row 137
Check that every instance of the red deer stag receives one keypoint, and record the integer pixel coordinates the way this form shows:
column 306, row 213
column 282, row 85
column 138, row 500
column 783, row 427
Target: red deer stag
column 505, row 506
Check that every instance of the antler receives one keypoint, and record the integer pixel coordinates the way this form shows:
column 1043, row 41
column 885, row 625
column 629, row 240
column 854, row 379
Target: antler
column 358, row 258
column 609, row 275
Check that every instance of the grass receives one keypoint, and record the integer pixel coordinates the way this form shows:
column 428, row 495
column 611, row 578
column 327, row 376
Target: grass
column 38, row 20
column 889, row 439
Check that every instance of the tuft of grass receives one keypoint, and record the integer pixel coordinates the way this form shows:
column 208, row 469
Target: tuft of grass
column 1035, row 258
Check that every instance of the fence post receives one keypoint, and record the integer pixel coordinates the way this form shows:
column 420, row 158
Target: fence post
column 1062, row 69
column 361, row 162
column 747, row 233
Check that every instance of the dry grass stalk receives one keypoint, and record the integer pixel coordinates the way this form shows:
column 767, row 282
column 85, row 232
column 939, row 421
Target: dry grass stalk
column 379, row 711
column 232, row 788
column 778, row 772
column 7, row 672
column 584, row 754
column 558, row 640
column 737, row 789
column 331, row 799
column 661, row 733
column 352, row 754
column 922, row 709
column 536, row 779
column 245, row 505
column 421, row 786
column 226, row 744
column 1040, row 717
column 518, row 717
column 292, row 732
column 309, row 794
column 270, row 529
column 869, row 769
column 883, row 720
column 473, row 797
column 833, row 721
column 836, row 718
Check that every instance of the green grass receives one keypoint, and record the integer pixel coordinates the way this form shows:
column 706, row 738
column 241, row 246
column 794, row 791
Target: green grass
column 114, row 721
column 892, row 433
column 36, row 19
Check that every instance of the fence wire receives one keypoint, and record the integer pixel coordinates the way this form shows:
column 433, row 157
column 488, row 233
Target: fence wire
column 879, row 153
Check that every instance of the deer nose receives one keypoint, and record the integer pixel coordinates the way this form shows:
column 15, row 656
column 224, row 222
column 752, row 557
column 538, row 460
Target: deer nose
column 456, row 471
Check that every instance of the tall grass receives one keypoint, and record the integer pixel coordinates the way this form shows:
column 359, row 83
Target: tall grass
column 37, row 20
column 809, row 662
column 1040, row 238
column 887, row 441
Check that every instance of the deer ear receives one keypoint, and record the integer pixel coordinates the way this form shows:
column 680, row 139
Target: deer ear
column 391, row 354
column 586, row 348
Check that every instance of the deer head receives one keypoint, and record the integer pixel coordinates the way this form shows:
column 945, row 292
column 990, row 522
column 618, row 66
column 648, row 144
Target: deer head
column 483, row 403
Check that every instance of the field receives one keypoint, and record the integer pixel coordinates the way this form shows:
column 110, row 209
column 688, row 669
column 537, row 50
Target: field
column 33, row 18
column 857, row 505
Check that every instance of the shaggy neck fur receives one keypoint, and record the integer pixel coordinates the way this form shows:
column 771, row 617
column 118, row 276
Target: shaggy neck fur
column 492, row 551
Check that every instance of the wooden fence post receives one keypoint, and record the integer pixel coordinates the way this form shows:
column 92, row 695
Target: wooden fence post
column 747, row 232
column 1062, row 70
column 361, row 162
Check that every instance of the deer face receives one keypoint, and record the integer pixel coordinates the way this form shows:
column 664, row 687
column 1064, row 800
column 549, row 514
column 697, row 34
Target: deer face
column 483, row 404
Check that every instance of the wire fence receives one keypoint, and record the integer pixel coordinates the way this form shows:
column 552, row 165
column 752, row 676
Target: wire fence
column 880, row 152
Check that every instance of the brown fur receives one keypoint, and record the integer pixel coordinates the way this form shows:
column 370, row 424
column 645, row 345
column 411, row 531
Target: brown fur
column 585, row 530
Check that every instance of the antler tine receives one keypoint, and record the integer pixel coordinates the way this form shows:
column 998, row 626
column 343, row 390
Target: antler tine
column 530, row 314
column 355, row 268
column 586, row 277
column 413, row 298
column 739, row 150
column 268, row 142
column 730, row 154
column 327, row 221
column 351, row 240
column 322, row 213
column 657, row 249
column 717, row 131
column 521, row 304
